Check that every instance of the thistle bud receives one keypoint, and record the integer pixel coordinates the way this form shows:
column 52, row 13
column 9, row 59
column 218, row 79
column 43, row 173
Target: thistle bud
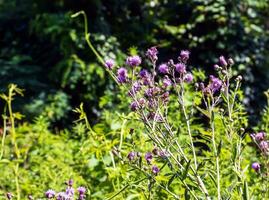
column 230, row 61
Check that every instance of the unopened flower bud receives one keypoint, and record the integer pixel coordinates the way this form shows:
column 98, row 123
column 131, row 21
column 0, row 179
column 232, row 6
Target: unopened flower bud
column 202, row 86
column 155, row 170
column 242, row 129
column 224, row 72
column 131, row 156
column 222, row 61
column 239, row 78
column 9, row 196
column 170, row 62
column 217, row 67
column 230, row 61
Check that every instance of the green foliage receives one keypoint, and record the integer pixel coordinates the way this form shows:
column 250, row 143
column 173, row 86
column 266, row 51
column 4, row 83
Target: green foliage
column 49, row 55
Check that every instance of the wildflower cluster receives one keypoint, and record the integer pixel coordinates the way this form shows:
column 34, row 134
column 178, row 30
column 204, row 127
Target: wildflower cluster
column 150, row 91
column 69, row 193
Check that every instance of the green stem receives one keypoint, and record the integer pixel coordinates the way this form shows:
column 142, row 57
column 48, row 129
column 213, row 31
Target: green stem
column 125, row 187
column 87, row 38
column 215, row 151
column 4, row 133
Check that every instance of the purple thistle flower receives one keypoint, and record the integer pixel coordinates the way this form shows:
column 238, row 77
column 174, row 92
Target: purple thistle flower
column 152, row 103
column 144, row 73
column 155, row 170
column 149, row 92
column 136, row 87
column 184, row 55
column 122, row 75
column 256, row 166
column 163, row 154
column 133, row 61
column 134, row 106
column 148, row 157
column 109, row 63
column 215, row 84
column 50, row 194
column 70, row 191
column 167, row 82
column 62, row 196
column 142, row 102
column 81, row 190
column 222, row 61
column 152, row 54
column 180, row 68
column 131, row 156
column 188, row 78
column 70, row 182
column 82, row 197
column 259, row 136
column 163, row 68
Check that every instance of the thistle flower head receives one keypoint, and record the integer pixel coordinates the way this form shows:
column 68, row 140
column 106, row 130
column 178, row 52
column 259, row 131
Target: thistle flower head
column 148, row 157
column 215, row 84
column 133, row 61
column 62, row 196
column 50, row 194
column 180, row 68
column 134, row 106
column 152, row 54
column 223, row 61
column 188, row 78
column 256, row 166
column 163, row 68
column 136, row 86
column 155, row 170
column 70, row 191
column 81, row 190
column 131, row 156
column 122, row 75
column 166, row 81
column 109, row 63
column 184, row 55
column 258, row 136
column 144, row 73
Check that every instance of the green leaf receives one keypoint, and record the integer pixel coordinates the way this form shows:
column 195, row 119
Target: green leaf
column 186, row 170
column 205, row 112
column 171, row 180
column 219, row 147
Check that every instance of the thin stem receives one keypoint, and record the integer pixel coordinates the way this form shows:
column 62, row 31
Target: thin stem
column 4, row 133
column 215, row 150
column 13, row 136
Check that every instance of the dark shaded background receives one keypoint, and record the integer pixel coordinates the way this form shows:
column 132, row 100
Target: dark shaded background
column 44, row 52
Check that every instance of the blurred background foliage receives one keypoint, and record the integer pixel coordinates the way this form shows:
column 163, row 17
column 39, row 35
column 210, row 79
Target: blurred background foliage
column 43, row 49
